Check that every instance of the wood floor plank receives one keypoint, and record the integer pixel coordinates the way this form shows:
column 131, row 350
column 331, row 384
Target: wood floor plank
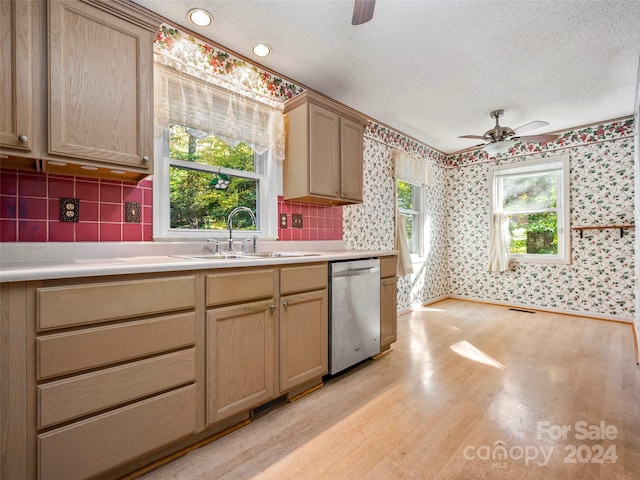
column 464, row 378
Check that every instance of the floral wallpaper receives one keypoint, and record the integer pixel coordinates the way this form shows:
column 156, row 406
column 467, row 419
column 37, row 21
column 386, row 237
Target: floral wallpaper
column 371, row 225
column 600, row 278
column 571, row 138
column 187, row 51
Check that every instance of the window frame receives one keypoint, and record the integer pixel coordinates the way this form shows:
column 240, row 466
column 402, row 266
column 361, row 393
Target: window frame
column 266, row 196
column 559, row 164
column 418, row 227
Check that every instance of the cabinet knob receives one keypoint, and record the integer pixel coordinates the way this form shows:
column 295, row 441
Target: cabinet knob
column 344, row 194
column 23, row 138
column 285, row 303
column 145, row 159
column 272, row 307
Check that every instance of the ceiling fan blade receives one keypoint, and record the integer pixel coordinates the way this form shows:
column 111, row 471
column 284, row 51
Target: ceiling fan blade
column 476, row 137
column 362, row 11
column 538, row 138
column 527, row 127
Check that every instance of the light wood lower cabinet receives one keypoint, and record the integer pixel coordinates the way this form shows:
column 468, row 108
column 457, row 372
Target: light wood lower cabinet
column 92, row 446
column 241, row 346
column 105, row 372
column 303, row 338
column 116, row 370
column 388, row 311
column 388, row 301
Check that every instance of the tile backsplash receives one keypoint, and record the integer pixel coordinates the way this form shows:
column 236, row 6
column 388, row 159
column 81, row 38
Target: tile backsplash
column 30, row 208
column 319, row 222
column 30, row 211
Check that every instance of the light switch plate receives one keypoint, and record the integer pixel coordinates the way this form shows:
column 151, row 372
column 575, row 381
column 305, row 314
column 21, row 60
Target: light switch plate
column 296, row 220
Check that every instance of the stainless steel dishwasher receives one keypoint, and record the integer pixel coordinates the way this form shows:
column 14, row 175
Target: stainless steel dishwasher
column 354, row 318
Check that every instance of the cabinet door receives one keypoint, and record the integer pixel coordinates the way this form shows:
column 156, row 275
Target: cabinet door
column 100, row 86
column 324, row 152
column 15, row 80
column 388, row 311
column 241, row 346
column 304, row 338
column 351, row 145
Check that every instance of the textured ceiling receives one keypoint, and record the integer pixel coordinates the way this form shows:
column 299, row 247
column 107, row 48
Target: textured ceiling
column 434, row 69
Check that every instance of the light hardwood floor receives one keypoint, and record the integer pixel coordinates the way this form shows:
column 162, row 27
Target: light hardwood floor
column 463, row 379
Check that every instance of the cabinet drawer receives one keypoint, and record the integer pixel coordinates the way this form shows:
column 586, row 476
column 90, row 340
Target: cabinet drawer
column 233, row 287
column 71, row 352
column 78, row 396
column 92, row 446
column 388, row 266
column 302, row 279
column 83, row 304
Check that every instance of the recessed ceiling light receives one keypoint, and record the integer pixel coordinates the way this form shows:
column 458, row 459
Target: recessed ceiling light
column 261, row 49
column 89, row 167
column 57, row 164
column 200, row 17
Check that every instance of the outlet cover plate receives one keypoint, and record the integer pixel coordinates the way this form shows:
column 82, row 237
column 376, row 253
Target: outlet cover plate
column 283, row 220
column 70, row 210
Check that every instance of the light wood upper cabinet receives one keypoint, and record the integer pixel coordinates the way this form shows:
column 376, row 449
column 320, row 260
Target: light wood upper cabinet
column 100, row 86
column 323, row 162
column 351, row 151
column 15, row 75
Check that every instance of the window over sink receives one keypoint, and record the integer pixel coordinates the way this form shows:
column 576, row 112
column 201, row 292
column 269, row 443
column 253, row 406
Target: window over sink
column 214, row 153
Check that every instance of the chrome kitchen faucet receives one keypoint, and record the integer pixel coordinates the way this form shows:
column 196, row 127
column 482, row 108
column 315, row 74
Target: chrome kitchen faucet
column 229, row 224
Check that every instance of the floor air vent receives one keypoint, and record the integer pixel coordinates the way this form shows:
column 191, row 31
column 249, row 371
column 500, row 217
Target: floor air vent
column 267, row 407
column 520, row 310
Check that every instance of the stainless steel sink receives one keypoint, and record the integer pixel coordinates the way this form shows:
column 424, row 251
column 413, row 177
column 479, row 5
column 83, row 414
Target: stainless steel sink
column 245, row 256
column 279, row 254
column 210, row 257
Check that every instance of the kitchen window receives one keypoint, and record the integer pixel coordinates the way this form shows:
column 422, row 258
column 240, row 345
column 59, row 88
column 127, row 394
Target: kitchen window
column 410, row 205
column 214, row 151
column 534, row 196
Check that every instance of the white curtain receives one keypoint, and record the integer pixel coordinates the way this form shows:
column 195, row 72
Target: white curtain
column 405, row 267
column 412, row 169
column 231, row 114
column 499, row 243
column 416, row 170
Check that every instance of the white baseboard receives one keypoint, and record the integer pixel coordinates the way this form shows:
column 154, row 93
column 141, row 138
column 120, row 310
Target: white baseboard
column 599, row 316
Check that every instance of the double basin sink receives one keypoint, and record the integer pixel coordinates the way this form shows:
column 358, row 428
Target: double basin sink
column 239, row 256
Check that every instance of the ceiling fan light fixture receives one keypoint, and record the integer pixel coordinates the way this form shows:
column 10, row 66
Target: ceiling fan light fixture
column 261, row 49
column 200, row 17
column 497, row 148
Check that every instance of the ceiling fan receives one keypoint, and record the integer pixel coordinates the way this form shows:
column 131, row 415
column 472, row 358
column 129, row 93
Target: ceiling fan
column 500, row 139
column 362, row 11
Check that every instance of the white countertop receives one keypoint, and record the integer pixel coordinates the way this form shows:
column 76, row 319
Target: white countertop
column 45, row 261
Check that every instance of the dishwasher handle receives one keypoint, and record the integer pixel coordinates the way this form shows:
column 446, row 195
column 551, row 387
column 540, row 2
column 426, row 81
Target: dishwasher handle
column 357, row 271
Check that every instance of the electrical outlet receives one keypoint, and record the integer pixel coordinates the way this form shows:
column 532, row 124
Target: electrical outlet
column 283, row 220
column 296, row 220
column 69, row 210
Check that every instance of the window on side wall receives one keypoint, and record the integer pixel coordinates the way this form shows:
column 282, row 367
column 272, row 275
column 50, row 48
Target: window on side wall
column 410, row 205
column 535, row 195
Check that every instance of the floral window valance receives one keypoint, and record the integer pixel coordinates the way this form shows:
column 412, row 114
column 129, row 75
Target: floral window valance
column 412, row 169
column 200, row 105
column 209, row 90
